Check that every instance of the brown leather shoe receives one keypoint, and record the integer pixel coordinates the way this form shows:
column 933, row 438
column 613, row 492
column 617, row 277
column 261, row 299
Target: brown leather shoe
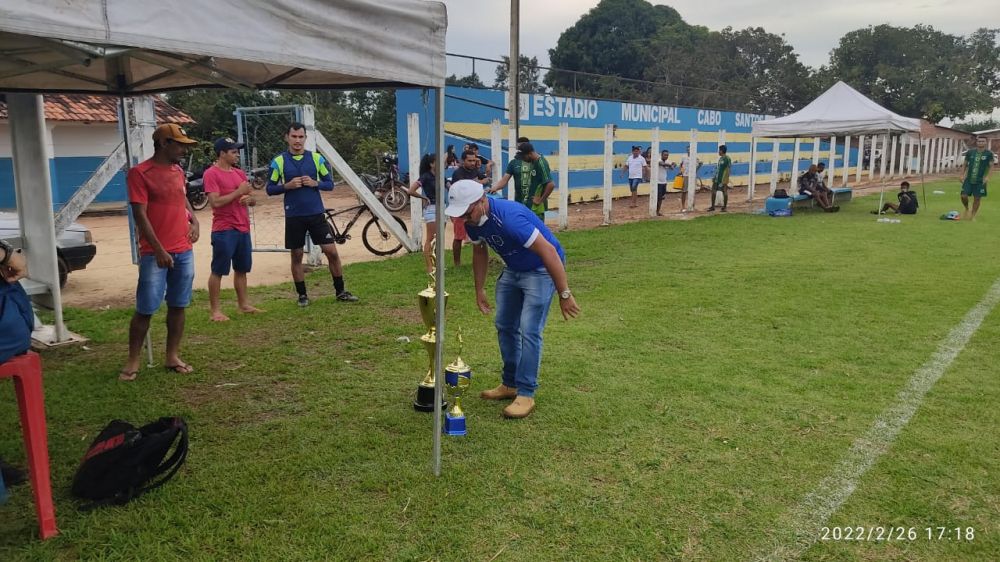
column 521, row 407
column 499, row 393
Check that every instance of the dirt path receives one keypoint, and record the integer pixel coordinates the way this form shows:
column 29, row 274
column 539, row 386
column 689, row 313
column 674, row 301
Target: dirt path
column 109, row 280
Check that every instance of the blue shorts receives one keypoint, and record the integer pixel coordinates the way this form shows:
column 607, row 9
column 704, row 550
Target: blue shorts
column 155, row 282
column 231, row 247
column 430, row 213
column 633, row 184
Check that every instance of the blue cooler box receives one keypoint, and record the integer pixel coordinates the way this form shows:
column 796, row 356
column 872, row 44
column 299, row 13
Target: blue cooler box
column 778, row 207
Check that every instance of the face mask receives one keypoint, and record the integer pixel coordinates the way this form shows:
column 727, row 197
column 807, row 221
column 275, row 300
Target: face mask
column 483, row 219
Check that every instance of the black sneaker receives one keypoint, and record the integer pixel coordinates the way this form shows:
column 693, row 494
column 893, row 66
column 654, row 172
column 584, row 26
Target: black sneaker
column 346, row 296
column 712, row 208
column 303, row 301
column 723, row 210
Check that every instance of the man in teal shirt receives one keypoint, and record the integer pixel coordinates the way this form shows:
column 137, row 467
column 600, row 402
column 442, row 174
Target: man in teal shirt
column 977, row 171
column 721, row 180
column 532, row 179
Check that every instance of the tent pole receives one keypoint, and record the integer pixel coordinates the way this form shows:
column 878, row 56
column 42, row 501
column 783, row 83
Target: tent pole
column 881, row 192
column 148, row 342
column 923, row 184
column 439, row 277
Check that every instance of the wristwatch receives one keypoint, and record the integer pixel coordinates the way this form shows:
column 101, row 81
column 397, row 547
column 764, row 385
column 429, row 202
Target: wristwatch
column 565, row 294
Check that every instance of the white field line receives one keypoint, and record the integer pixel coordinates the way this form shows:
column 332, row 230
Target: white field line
column 807, row 519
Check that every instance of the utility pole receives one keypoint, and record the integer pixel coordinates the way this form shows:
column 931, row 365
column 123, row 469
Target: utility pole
column 513, row 74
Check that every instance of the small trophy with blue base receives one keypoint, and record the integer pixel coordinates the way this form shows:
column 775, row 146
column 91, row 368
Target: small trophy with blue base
column 458, row 377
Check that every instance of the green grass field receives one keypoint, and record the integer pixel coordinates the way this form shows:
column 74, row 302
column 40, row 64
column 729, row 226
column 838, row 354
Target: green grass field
column 720, row 368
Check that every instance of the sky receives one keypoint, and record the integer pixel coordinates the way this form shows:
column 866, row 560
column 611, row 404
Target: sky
column 482, row 27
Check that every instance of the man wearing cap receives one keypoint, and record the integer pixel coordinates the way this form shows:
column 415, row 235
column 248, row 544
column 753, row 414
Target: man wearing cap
column 532, row 179
column 299, row 175
column 533, row 272
column 167, row 228
column 469, row 170
column 229, row 195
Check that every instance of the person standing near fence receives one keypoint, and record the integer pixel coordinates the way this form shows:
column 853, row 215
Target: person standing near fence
column 167, row 229
column 427, row 184
column 977, row 172
column 299, row 175
column 662, row 166
column 532, row 179
column 229, row 195
column 720, row 182
column 687, row 161
column 635, row 166
column 533, row 271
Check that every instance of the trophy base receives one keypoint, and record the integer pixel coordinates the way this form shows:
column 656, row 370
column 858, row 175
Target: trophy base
column 454, row 425
column 425, row 399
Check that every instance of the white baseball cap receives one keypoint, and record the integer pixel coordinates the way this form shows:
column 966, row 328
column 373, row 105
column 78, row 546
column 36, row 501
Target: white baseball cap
column 462, row 194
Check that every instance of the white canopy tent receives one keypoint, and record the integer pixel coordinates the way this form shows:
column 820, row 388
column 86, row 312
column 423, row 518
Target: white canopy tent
column 132, row 47
column 841, row 110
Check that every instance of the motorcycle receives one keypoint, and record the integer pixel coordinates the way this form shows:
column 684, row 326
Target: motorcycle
column 389, row 186
column 258, row 177
column 195, row 188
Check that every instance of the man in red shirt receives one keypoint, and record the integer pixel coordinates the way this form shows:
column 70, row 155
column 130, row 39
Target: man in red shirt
column 229, row 195
column 167, row 229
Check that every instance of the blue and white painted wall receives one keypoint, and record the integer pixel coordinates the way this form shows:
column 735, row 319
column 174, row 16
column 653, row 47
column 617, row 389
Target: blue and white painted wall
column 77, row 150
column 469, row 112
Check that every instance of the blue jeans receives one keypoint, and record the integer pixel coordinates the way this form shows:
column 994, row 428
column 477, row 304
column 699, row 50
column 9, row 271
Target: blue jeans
column 523, row 300
column 157, row 283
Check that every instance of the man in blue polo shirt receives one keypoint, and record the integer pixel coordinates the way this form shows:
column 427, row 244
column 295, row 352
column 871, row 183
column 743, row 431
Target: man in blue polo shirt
column 299, row 175
column 534, row 271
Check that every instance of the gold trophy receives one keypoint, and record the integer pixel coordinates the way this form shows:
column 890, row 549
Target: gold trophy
column 458, row 377
column 426, row 301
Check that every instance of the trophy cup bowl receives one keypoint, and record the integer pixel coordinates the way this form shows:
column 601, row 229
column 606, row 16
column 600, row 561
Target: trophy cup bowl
column 427, row 304
column 458, row 377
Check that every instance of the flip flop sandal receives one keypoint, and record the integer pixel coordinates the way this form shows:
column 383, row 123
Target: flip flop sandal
column 127, row 376
column 181, row 368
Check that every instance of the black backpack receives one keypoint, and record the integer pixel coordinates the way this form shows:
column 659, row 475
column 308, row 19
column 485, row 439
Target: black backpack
column 122, row 460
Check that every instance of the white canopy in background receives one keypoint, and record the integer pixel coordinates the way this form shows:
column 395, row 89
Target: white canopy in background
column 143, row 46
column 841, row 110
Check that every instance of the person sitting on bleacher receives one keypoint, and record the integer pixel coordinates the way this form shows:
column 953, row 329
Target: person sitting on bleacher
column 907, row 202
column 17, row 319
column 810, row 186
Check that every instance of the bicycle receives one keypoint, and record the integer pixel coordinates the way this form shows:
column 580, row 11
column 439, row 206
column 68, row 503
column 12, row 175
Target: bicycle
column 376, row 238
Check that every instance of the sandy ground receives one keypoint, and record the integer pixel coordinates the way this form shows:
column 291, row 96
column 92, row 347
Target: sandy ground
column 110, row 278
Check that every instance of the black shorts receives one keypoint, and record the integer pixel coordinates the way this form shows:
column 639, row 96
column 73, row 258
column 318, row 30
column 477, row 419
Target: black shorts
column 315, row 226
column 661, row 190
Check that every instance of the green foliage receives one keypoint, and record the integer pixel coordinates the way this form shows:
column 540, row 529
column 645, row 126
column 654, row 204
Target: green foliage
column 530, row 81
column 470, row 81
column 609, row 39
column 920, row 71
column 972, row 126
column 674, row 62
column 346, row 119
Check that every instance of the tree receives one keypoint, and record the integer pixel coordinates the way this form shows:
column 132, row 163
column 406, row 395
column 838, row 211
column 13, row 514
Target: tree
column 530, row 81
column 973, row 126
column 610, row 39
column 470, row 81
column 919, row 71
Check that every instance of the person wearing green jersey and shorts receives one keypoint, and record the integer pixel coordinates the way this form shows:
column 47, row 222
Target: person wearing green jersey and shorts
column 721, row 179
column 977, row 170
column 532, row 179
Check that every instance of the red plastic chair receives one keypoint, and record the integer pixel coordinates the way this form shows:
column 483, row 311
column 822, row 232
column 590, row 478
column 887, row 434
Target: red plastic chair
column 26, row 370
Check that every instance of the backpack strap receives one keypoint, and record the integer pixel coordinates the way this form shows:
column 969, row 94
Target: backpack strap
column 172, row 464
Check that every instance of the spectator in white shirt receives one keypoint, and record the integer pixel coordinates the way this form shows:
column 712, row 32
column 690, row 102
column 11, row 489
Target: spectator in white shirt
column 635, row 166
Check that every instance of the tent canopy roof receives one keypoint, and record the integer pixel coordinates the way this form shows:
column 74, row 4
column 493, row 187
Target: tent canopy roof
column 841, row 110
column 132, row 47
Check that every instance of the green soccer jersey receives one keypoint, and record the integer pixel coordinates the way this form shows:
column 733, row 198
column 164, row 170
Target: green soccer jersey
column 722, row 171
column 530, row 178
column 977, row 163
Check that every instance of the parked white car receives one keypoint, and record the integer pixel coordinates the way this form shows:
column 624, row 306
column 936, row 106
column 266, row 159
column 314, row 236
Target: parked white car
column 74, row 249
